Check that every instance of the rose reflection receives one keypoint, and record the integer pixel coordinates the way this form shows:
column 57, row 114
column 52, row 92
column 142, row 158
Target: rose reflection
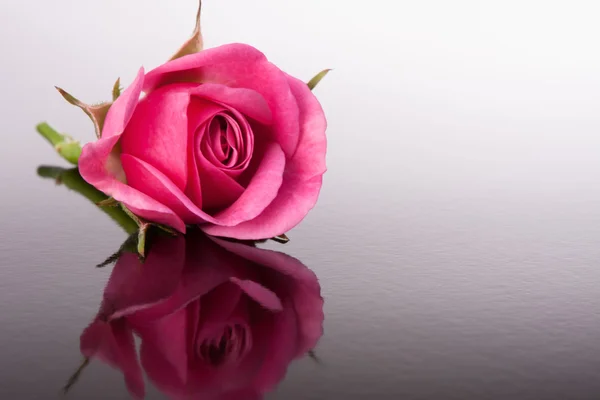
column 216, row 319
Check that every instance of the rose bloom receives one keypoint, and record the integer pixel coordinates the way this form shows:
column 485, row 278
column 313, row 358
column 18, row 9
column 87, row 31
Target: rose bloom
column 216, row 319
column 222, row 138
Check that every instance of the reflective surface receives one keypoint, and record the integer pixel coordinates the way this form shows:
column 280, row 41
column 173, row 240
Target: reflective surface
column 456, row 238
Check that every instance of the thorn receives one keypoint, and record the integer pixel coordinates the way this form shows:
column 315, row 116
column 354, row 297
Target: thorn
column 108, row 202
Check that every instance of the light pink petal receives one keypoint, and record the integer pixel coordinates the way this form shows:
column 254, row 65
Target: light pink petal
column 261, row 190
column 247, row 101
column 95, row 169
column 166, row 337
column 158, row 131
column 296, row 281
column 119, row 114
column 113, row 344
column 302, row 179
column 133, row 286
column 187, row 67
column 259, row 293
column 238, row 66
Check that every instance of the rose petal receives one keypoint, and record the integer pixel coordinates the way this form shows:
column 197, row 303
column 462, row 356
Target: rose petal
column 133, row 286
column 260, row 192
column 238, row 66
column 302, row 286
column 302, row 180
column 164, row 345
column 113, row 344
column 240, row 137
column 157, row 131
column 220, row 303
column 156, row 185
column 219, row 190
column 199, row 112
column 247, row 101
column 259, row 293
column 207, row 267
column 283, row 337
column 95, row 155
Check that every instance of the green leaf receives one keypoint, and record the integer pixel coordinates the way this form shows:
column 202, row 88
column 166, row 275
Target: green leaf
column 116, row 92
column 64, row 145
column 317, row 78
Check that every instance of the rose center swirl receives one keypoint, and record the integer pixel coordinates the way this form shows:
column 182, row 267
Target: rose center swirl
column 226, row 142
column 230, row 346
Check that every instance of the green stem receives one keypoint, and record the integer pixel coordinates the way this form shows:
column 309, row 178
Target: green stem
column 65, row 146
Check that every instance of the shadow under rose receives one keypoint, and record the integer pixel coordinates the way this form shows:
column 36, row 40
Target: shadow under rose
column 216, row 319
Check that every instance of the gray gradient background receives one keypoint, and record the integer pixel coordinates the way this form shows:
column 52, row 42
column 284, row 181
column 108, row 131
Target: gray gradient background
column 456, row 237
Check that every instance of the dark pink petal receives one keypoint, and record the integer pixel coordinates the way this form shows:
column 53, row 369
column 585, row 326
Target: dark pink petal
column 296, row 281
column 302, row 179
column 158, row 130
column 260, row 192
column 199, row 112
column 220, row 303
column 218, row 189
column 247, row 101
column 205, row 381
column 95, row 168
column 133, row 286
column 113, row 344
column 207, row 267
column 209, row 382
column 238, row 66
column 259, row 293
column 283, row 339
column 166, row 337
column 240, row 138
column 155, row 184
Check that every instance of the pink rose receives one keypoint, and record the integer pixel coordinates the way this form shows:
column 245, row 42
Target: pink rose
column 222, row 138
column 216, row 319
